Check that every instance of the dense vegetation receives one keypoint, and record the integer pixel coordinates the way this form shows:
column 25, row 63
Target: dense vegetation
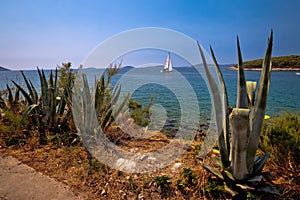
column 281, row 137
column 284, row 62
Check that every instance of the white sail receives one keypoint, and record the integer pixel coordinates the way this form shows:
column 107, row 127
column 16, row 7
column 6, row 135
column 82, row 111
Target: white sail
column 167, row 62
column 168, row 66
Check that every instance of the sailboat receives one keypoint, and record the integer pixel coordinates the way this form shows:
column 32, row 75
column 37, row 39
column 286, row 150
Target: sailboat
column 168, row 65
column 298, row 73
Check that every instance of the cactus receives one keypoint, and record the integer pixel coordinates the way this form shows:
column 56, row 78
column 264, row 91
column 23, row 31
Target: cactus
column 238, row 160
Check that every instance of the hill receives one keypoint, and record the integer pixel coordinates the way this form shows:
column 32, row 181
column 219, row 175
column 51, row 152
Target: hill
column 3, row 69
column 278, row 63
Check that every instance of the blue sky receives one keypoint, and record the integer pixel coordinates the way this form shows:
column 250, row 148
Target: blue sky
column 46, row 33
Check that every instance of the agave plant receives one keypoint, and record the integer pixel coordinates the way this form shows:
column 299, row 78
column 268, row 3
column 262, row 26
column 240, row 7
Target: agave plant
column 12, row 102
column 105, row 97
column 239, row 128
column 2, row 102
column 45, row 109
column 94, row 114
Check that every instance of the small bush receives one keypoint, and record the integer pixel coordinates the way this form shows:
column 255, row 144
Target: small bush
column 281, row 137
column 139, row 112
column 162, row 181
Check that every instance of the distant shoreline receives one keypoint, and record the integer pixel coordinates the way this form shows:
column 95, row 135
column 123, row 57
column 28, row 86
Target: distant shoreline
column 273, row 69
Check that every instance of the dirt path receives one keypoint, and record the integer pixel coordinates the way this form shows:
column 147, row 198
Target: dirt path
column 19, row 181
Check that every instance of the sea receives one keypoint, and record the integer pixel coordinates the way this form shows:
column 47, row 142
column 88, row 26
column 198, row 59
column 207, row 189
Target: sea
column 184, row 90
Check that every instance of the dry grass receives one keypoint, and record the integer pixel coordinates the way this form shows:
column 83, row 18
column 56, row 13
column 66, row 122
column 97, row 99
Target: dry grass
column 74, row 166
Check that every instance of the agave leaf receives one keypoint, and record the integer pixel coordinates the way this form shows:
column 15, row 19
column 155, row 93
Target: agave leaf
column 255, row 179
column 55, row 84
column 217, row 110
column 44, row 89
column 230, row 191
column 17, row 96
column 106, row 119
column 217, row 160
column 87, row 102
column 267, row 175
column 122, row 107
column 2, row 103
column 29, row 109
column 66, row 97
column 257, row 158
column 245, row 187
column 225, row 112
column 251, row 87
column 99, row 95
column 229, row 175
column 239, row 123
column 242, row 98
column 25, row 94
column 258, row 165
column 29, row 87
column 35, row 95
column 213, row 170
column 258, row 113
column 10, row 96
column 52, row 101
column 116, row 94
column 269, row 189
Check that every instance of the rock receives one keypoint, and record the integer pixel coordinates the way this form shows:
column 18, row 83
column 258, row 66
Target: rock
column 176, row 166
column 125, row 165
column 143, row 157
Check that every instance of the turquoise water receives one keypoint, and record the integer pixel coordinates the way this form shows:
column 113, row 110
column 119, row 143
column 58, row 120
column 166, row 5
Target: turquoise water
column 170, row 89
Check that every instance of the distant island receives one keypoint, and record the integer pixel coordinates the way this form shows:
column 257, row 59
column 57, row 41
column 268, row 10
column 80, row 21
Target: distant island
column 3, row 69
column 281, row 63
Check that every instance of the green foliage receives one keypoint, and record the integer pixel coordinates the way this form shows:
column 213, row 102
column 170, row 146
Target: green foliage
column 251, row 195
column 281, row 136
column 9, row 135
column 189, row 176
column 12, row 101
column 162, row 181
column 188, row 179
column 140, row 113
column 66, row 74
column 284, row 62
column 214, row 186
column 47, row 111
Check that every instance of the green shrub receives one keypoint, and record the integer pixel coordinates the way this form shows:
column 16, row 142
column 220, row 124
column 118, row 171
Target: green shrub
column 139, row 112
column 162, row 181
column 281, row 137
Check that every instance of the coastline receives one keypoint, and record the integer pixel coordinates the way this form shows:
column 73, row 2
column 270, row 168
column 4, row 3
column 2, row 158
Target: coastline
column 273, row 69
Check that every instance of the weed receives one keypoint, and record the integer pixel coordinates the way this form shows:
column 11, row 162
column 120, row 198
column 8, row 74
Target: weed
column 162, row 181
column 251, row 195
column 189, row 176
column 214, row 186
